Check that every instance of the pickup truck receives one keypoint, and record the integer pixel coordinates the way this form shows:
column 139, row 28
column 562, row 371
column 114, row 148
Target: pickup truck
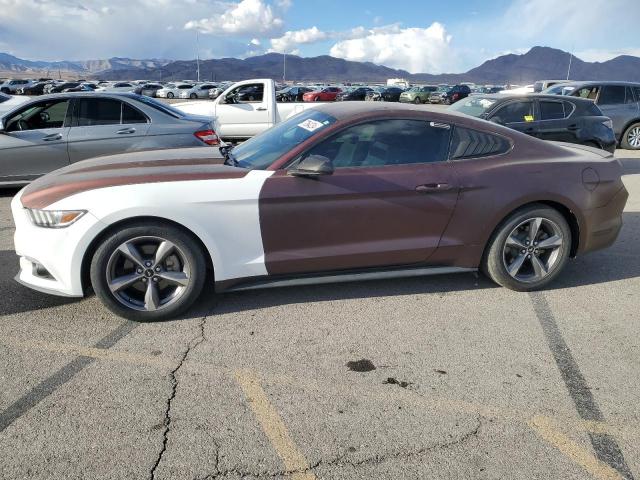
column 245, row 109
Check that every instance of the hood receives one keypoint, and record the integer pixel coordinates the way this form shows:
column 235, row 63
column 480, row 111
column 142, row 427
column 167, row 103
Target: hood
column 152, row 166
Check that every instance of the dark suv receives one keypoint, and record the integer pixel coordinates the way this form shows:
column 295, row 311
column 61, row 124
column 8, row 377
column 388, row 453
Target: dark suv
column 549, row 117
column 620, row 101
column 457, row 92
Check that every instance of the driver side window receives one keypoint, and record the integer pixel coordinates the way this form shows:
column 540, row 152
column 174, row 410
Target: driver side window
column 42, row 115
column 250, row 93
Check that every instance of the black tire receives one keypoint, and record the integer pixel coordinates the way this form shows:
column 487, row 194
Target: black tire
column 494, row 264
column 5, row 90
column 316, row 99
column 170, row 95
column 626, row 137
column 185, row 245
column 193, row 95
column 417, row 101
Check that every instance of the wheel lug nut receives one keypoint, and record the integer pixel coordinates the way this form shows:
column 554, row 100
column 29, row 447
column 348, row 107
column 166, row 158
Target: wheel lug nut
column 148, row 264
column 155, row 279
column 529, row 256
column 139, row 270
column 157, row 269
column 144, row 280
column 523, row 251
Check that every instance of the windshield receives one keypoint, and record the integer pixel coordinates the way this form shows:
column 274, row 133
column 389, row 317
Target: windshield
column 474, row 106
column 559, row 89
column 262, row 150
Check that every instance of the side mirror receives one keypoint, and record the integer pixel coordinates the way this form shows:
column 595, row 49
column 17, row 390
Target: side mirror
column 312, row 166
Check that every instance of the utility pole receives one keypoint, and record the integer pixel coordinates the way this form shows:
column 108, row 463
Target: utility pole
column 569, row 69
column 198, row 54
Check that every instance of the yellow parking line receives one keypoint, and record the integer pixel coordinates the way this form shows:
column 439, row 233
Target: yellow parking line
column 548, row 431
column 273, row 426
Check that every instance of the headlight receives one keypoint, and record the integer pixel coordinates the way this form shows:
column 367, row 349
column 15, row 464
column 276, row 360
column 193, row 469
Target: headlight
column 54, row 218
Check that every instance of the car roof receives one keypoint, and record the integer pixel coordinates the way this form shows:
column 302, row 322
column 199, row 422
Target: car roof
column 131, row 96
column 521, row 96
column 583, row 83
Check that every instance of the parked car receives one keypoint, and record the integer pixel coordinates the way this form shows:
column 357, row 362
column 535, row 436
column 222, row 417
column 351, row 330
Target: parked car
column 354, row 94
column 197, row 91
column 455, row 93
column 32, row 89
column 418, row 94
column 291, row 94
column 620, row 101
column 542, row 85
column 327, row 94
column 118, row 87
column 12, row 85
column 83, row 87
column 548, row 117
column 59, row 87
column 148, row 89
column 9, row 102
column 55, row 130
column 237, row 118
column 172, row 90
column 250, row 93
column 146, row 227
column 385, row 94
column 439, row 95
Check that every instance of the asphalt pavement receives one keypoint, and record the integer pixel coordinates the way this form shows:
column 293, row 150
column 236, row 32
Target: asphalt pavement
column 444, row 377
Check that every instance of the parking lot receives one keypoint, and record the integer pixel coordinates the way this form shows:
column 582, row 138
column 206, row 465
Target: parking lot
column 438, row 377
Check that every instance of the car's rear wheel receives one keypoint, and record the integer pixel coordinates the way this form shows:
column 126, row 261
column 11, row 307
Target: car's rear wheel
column 631, row 137
column 149, row 272
column 529, row 249
column 170, row 95
column 417, row 101
column 193, row 95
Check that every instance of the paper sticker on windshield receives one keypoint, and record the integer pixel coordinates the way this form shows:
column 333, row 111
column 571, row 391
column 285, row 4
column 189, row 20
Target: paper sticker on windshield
column 310, row 125
column 528, row 118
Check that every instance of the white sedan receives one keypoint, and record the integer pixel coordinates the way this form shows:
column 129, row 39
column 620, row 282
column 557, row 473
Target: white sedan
column 118, row 87
column 173, row 90
column 197, row 91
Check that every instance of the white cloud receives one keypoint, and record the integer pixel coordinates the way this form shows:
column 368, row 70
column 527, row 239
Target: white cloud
column 414, row 49
column 255, row 42
column 245, row 17
column 292, row 39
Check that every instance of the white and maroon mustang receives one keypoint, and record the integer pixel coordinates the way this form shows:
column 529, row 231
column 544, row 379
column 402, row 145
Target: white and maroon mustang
column 340, row 192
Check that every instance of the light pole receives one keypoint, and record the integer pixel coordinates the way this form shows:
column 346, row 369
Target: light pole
column 284, row 66
column 198, row 54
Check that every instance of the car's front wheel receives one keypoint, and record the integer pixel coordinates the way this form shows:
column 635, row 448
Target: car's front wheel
column 170, row 95
column 148, row 272
column 529, row 249
column 631, row 137
column 417, row 101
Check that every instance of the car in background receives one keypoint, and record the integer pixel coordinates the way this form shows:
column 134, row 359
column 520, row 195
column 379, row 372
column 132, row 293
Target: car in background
column 342, row 192
column 12, row 85
column 326, row 94
column 292, row 94
column 197, row 91
column 620, row 101
column 487, row 90
column 542, row 85
column 354, row 94
column 547, row 117
column 32, row 89
column 83, row 87
column 118, row 87
column 418, row 94
column 455, row 93
column 439, row 94
column 59, row 87
column 172, row 90
column 9, row 102
column 54, row 130
column 385, row 94
column 148, row 89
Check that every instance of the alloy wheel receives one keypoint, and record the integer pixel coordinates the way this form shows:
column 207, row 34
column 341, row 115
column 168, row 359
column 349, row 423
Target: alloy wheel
column 633, row 137
column 533, row 249
column 148, row 273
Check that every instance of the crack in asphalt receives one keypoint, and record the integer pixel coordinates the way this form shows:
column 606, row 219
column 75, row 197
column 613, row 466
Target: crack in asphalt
column 192, row 344
column 341, row 460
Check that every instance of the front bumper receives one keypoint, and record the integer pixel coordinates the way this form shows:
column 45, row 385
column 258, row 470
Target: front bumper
column 51, row 258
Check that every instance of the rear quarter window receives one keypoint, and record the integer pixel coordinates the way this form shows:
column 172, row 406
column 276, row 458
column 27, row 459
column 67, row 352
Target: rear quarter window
column 468, row 143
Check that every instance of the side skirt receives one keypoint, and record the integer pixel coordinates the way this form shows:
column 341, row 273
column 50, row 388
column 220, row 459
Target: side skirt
column 265, row 282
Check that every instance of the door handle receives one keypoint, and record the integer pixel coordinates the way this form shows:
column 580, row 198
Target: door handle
column 125, row 131
column 432, row 187
column 52, row 137
column 261, row 109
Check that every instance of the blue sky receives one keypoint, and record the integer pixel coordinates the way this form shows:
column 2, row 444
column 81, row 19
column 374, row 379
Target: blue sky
column 419, row 36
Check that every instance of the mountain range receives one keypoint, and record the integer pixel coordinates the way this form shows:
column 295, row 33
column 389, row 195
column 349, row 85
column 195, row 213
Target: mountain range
column 536, row 64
